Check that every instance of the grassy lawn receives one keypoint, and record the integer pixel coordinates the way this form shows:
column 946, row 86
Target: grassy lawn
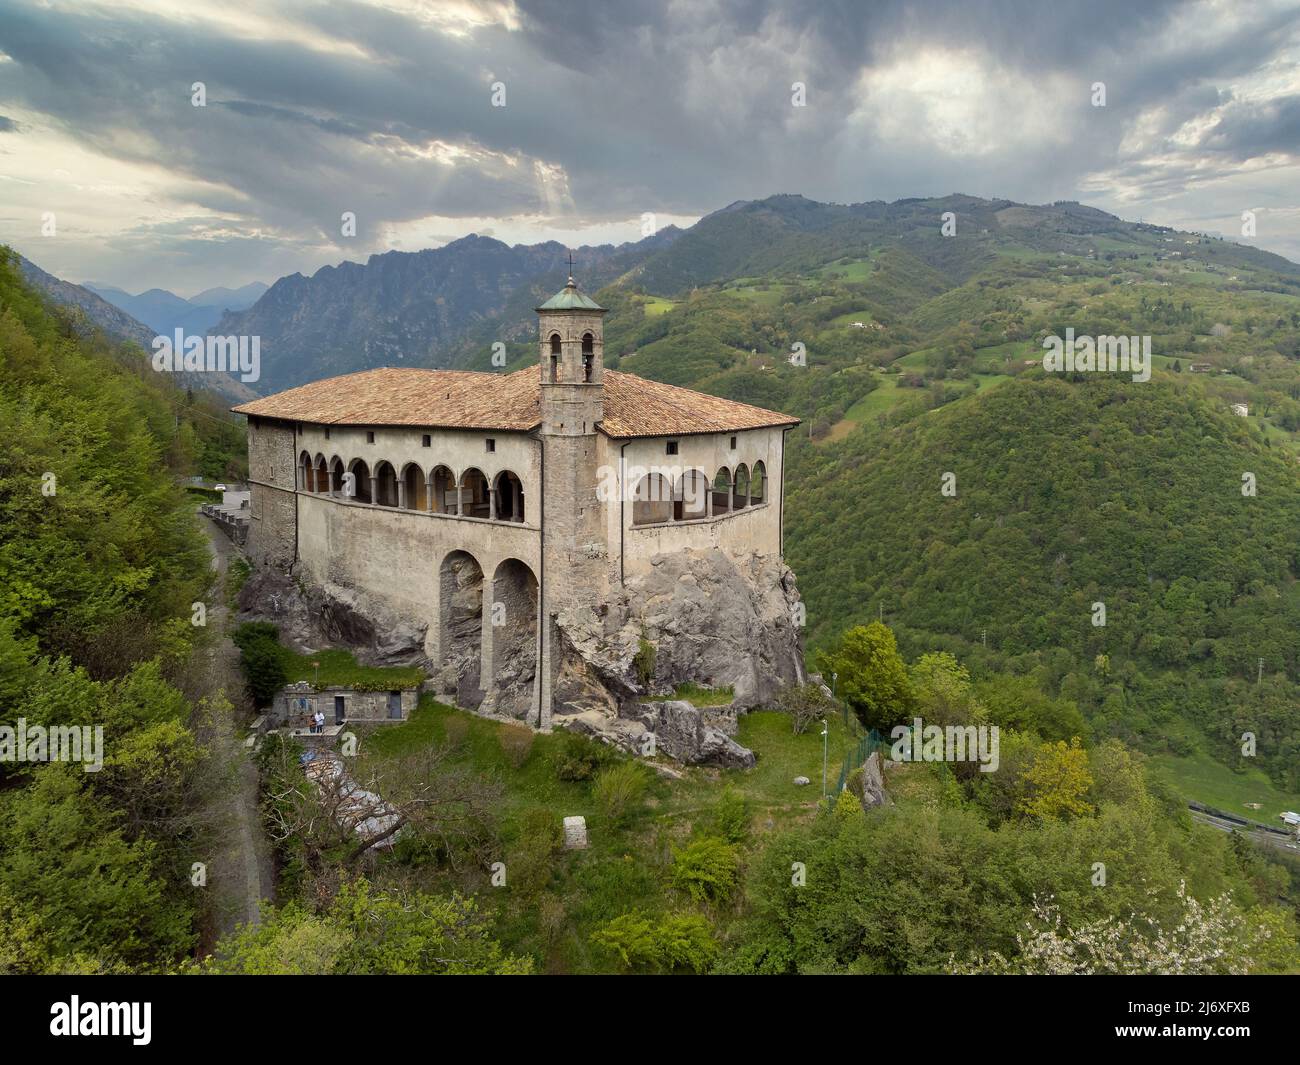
column 1200, row 777
column 338, row 669
column 657, row 305
column 626, row 866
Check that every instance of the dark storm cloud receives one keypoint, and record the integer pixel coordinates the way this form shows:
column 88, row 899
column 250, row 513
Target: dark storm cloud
column 614, row 109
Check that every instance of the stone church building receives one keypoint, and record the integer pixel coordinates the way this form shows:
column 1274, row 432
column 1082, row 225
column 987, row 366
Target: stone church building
column 537, row 527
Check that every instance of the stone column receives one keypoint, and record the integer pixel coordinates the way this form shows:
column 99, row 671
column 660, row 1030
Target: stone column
column 492, row 502
column 428, row 493
column 401, row 493
column 374, row 490
column 486, row 642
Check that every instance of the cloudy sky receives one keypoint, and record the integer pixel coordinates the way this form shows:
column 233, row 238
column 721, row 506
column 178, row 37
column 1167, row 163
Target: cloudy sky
column 613, row 108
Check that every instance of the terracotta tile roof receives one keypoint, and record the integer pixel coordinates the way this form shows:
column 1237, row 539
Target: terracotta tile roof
column 463, row 399
column 635, row 406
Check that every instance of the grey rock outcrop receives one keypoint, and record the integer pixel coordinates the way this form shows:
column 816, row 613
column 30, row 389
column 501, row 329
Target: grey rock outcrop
column 681, row 733
column 873, row 783
column 311, row 617
column 714, row 620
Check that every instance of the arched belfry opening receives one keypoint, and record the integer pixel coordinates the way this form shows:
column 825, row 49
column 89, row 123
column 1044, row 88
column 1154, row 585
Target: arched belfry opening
column 572, row 352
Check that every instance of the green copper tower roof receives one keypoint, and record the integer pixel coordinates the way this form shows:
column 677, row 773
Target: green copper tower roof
column 570, row 299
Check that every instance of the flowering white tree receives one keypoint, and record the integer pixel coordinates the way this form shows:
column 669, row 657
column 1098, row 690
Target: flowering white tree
column 1209, row 938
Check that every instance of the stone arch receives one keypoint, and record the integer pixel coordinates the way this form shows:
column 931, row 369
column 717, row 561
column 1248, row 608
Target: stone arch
column 722, row 491
column 740, row 488
column 306, row 476
column 444, row 490
column 336, row 475
column 514, row 636
column 474, row 494
column 385, row 484
column 509, row 496
column 460, row 627
column 412, row 484
column 691, row 496
column 588, row 355
column 361, row 480
column 653, row 501
column 322, row 474
column 758, row 484
column 556, row 346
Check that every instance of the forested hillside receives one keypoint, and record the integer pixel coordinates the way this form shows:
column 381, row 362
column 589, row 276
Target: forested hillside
column 101, row 563
column 911, row 352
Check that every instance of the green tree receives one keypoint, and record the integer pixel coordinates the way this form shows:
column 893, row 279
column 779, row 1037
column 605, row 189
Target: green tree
column 871, row 675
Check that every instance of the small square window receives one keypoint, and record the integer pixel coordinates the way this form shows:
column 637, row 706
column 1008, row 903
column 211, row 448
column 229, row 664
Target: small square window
column 672, row 447
column 491, row 444
column 426, row 440
column 370, row 436
column 327, row 432
column 733, row 443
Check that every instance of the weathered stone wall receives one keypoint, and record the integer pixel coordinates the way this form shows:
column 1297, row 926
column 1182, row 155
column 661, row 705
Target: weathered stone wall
column 272, row 503
column 358, row 705
column 398, row 560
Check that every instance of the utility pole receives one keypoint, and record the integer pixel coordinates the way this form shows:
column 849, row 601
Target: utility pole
column 826, row 732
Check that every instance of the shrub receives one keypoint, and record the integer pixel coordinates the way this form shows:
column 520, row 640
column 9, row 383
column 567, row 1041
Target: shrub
column 644, row 662
column 620, row 788
column 680, row 940
column 516, row 744
column 805, row 703
column 706, row 869
column 686, row 942
column 732, row 816
column 632, row 937
column 455, row 728
column 262, row 659
column 578, row 758
column 530, row 865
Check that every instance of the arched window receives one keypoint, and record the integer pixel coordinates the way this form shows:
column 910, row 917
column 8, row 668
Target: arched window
column 588, row 355
column 740, row 493
column 444, row 490
column 336, row 476
column 722, row 491
column 306, row 480
column 360, row 488
column 385, row 485
column 474, row 494
column 758, row 484
column 510, row 497
column 555, row 357
column 653, row 502
column 691, row 496
column 322, row 475
column 413, row 488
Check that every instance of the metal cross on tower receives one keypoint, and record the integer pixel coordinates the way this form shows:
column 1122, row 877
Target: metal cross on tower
column 570, row 264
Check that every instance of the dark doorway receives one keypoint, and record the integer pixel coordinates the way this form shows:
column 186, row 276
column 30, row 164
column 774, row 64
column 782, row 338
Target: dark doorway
column 340, row 710
column 395, row 706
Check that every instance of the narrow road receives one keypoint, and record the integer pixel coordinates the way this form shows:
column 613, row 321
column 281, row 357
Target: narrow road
column 242, row 874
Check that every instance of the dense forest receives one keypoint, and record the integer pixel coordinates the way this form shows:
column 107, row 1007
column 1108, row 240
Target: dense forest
column 102, row 563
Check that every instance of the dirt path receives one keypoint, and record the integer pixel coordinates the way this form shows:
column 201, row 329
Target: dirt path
column 242, row 873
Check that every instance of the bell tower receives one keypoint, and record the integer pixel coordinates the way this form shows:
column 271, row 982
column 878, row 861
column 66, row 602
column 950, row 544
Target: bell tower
column 571, row 371
column 572, row 362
